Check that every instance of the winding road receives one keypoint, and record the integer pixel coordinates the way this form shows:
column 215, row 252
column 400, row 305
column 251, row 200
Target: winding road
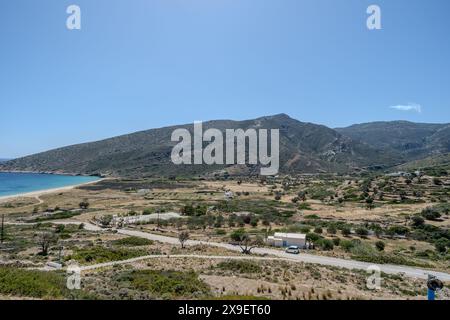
column 412, row 272
column 407, row 271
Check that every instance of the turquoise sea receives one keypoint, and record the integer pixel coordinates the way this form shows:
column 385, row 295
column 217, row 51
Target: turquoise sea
column 17, row 183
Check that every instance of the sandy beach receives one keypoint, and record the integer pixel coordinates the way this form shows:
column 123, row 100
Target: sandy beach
column 38, row 193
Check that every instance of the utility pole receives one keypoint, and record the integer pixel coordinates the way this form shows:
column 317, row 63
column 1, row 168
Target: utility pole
column 2, row 232
column 60, row 253
column 157, row 221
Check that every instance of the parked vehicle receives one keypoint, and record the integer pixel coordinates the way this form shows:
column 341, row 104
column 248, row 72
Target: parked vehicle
column 293, row 250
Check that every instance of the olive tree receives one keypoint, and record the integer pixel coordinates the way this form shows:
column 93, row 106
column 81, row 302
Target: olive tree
column 45, row 240
column 245, row 241
column 183, row 237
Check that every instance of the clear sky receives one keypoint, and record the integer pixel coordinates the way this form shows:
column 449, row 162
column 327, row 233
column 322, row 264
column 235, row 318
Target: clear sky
column 141, row 64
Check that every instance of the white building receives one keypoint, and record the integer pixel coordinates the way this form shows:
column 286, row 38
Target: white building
column 117, row 220
column 280, row 239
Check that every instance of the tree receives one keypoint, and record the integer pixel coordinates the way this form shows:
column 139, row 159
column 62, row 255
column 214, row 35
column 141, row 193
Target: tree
column 430, row 214
column 417, row 221
column 377, row 229
column 254, row 222
column 441, row 245
column 362, row 232
column 346, row 231
column 369, row 203
column 45, row 240
column 183, row 237
column 148, row 211
column 380, row 245
column 219, row 222
column 399, row 230
column 60, row 228
column 326, row 245
column 188, row 210
column 245, row 241
column 312, row 237
column 331, row 229
column 105, row 220
column 84, row 204
column 302, row 195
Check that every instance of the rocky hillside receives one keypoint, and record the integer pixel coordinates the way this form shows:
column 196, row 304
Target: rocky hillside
column 410, row 141
column 304, row 148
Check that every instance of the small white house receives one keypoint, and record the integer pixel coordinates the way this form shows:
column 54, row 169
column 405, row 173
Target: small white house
column 280, row 239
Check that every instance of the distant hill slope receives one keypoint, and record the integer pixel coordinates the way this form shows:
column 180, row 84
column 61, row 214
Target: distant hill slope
column 304, row 148
column 411, row 141
column 432, row 165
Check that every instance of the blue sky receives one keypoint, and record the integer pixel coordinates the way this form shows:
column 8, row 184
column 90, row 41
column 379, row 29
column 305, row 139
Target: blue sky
column 140, row 64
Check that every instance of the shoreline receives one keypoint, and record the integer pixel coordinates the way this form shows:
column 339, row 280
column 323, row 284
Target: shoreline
column 34, row 194
column 51, row 173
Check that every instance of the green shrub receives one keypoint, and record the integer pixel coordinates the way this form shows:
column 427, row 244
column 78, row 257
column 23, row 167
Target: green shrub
column 190, row 210
column 301, row 229
column 313, row 237
column 132, row 242
column 304, row 206
column 380, row 245
column 56, row 216
column 430, row 214
column 99, row 254
column 166, row 284
column 32, row 283
column 318, row 230
column 346, row 231
column 320, row 193
column 441, row 245
column 347, row 245
column 417, row 221
column 399, row 230
column 331, row 229
column 221, row 232
column 362, row 232
column 326, row 244
column 148, row 211
column 336, row 241
column 240, row 266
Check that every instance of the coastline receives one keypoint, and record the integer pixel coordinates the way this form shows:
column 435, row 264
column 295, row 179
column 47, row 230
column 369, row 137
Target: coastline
column 38, row 193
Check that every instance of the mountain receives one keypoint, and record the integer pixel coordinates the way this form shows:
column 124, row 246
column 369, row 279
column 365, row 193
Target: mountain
column 408, row 141
column 304, row 148
column 3, row 160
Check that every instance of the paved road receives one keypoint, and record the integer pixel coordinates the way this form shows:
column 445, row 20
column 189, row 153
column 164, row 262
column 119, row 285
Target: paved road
column 303, row 257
